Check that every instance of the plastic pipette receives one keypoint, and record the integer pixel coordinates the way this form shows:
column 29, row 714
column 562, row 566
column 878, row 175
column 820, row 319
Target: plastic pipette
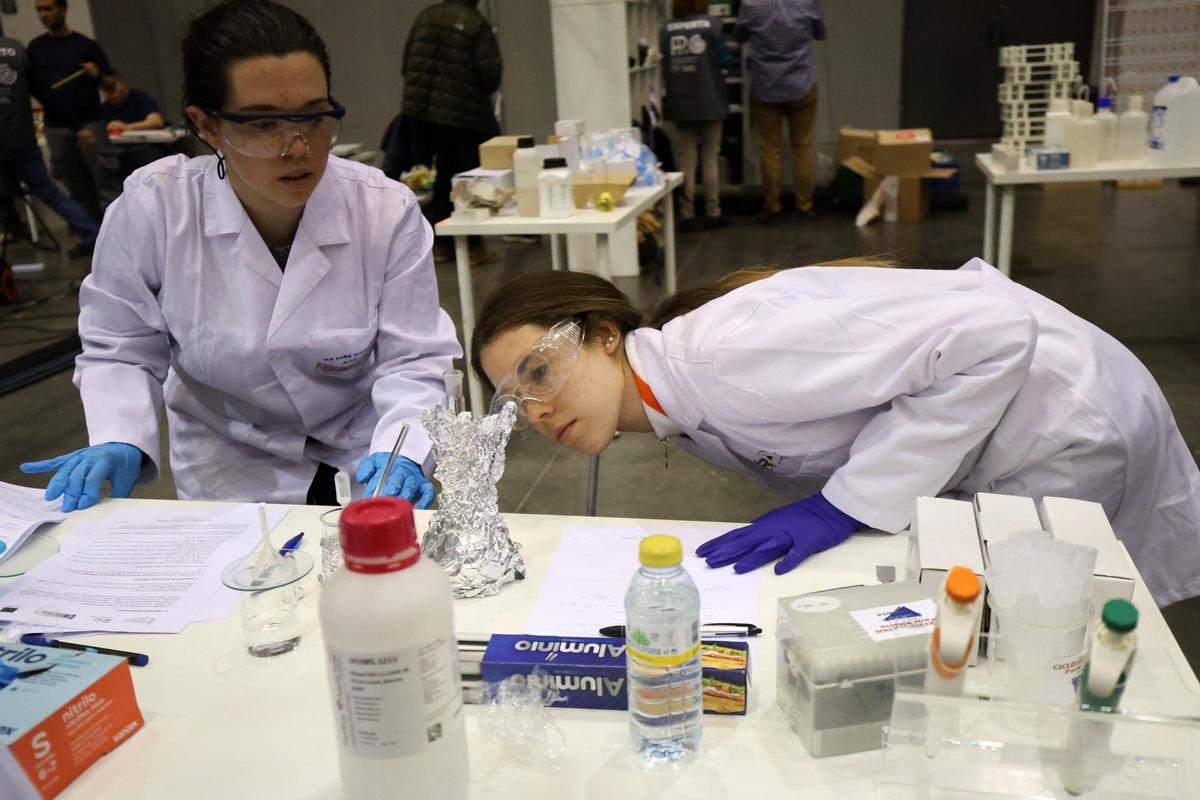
column 959, row 605
column 391, row 462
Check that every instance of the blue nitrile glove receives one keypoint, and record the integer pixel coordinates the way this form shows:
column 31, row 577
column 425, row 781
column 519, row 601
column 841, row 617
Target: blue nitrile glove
column 82, row 474
column 794, row 531
column 407, row 480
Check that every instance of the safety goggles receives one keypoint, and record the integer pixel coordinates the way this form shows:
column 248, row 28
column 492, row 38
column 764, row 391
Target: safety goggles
column 541, row 372
column 271, row 135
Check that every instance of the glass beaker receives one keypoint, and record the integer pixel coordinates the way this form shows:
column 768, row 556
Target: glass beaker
column 331, row 544
column 270, row 601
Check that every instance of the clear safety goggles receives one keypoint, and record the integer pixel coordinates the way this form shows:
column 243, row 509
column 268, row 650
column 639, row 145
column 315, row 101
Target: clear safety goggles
column 271, row 135
column 540, row 373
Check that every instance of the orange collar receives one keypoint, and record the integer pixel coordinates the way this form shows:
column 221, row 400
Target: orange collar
column 647, row 394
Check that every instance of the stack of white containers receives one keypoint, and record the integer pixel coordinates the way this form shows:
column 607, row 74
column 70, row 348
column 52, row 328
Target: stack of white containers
column 1034, row 75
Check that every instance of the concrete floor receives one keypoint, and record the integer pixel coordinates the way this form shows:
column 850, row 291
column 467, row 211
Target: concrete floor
column 1125, row 259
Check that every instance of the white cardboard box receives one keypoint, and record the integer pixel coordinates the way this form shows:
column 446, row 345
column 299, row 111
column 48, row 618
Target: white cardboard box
column 943, row 536
column 500, row 178
column 1083, row 522
column 998, row 515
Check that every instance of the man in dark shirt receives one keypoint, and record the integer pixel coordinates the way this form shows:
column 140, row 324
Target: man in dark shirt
column 20, row 158
column 125, row 109
column 66, row 68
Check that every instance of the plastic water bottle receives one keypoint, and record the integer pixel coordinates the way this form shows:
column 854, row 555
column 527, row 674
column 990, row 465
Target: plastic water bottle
column 1175, row 123
column 1106, row 120
column 662, row 636
column 388, row 623
column 1056, row 121
column 1131, row 130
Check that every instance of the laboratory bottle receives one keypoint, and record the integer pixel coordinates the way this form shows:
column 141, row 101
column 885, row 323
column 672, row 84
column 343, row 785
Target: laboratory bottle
column 662, row 655
column 1106, row 122
column 554, row 189
column 1056, row 122
column 1175, row 123
column 959, row 604
column 1083, row 135
column 526, row 166
column 388, row 623
column 1131, row 130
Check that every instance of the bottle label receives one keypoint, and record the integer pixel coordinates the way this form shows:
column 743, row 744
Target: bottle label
column 1158, row 120
column 662, row 645
column 397, row 703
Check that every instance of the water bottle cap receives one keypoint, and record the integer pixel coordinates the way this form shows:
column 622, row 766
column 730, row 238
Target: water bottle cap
column 962, row 585
column 1173, row 79
column 1104, row 102
column 526, row 141
column 378, row 535
column 660, row 551
column 554, row 163
column 1119, row 616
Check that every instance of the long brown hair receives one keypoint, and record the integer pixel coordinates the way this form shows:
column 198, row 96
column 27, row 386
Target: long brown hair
column 545, row 298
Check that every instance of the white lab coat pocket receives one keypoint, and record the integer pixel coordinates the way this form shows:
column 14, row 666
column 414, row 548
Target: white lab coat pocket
column 339, row 354
column 811, row 465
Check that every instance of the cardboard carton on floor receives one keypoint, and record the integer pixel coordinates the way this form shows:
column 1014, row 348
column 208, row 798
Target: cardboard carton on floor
column 903, row 155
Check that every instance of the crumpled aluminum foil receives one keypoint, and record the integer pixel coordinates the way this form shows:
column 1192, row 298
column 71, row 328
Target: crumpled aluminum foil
column 467, row 535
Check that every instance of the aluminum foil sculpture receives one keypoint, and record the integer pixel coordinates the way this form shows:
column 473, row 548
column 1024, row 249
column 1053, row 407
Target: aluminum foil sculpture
column 467, row 535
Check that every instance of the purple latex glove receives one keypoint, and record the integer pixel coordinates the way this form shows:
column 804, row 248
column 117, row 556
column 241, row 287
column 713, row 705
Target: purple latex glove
column 790, row 533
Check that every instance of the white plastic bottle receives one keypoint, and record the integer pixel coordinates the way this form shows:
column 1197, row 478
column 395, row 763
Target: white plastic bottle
column 1175, row 123
column 1106, row 121
column 1083, row 135
column 526, row 166
column 1056, row 121
column 554, row 189
column 662, row 656
column 1131, row 130
column 388, row 623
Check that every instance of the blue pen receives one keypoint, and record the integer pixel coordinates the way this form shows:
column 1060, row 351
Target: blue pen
column 136, row 659
column 292, row 544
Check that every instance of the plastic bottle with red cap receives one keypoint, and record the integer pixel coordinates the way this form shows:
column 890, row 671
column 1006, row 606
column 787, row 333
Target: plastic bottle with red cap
column 388, row 623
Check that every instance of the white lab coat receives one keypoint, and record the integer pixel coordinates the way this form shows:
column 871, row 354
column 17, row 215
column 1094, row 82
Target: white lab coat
column 876, row 386
column 264, row 372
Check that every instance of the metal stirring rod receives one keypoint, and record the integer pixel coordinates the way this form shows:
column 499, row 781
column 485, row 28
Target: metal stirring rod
column 391, row 462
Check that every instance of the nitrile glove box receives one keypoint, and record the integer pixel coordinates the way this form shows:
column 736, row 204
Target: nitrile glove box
column 60, row 713
column 590, row 672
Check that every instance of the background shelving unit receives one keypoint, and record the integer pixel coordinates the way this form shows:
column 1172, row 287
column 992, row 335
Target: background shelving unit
column 1144, row 41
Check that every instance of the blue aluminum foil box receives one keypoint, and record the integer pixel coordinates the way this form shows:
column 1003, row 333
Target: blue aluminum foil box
column 590, row 672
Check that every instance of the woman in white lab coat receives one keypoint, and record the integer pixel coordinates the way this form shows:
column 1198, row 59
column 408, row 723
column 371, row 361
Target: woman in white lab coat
column 281, row 302
column 856, row 390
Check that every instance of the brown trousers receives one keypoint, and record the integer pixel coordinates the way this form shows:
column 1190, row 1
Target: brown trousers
column 768, row 119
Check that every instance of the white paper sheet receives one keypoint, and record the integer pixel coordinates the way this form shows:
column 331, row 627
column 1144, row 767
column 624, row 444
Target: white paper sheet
column 22, row 511
column 585, row 588
column 142, row 570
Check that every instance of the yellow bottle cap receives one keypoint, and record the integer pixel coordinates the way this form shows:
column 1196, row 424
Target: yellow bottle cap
column 962, row 585
column 660, row 551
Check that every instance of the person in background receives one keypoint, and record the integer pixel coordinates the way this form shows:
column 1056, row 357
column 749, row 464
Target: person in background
column 65, row 69
column 696, row 103
column 124, row 109
column 451, row 67
column 853, row 390
column 783, row 89
column 21, row 159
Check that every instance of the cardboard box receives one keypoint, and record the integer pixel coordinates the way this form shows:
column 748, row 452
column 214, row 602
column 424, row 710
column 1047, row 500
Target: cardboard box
column 879, row 155
column 590, row 673
column 1083, row 522
column 588, row 186
column 497, row 152
column 997, row 515
column 500, row 178
column 943, row 536
column 856, row 143
column 61, row 713
column 903, row 152
column 908, row 202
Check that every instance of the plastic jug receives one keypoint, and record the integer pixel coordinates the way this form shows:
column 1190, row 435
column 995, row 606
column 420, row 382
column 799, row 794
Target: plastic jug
column 1106, row 121
column 1131, row 130
column 1056, row 122
column 1175, row 123
column 1082, row 135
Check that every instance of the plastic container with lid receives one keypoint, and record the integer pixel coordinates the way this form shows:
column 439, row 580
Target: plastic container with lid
column 840, row 655
column 388, row 623
column 555, row 197
column 1175, row 123
column 1056, row 121
column 527, row 164
column 1131, row 130
column 1106, row 121
column 1082, row 135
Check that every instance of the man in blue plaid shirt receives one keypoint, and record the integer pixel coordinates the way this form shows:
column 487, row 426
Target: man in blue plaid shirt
column 783, row 88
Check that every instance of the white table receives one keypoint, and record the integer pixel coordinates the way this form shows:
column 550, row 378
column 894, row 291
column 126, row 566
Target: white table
column 220, row 724
column 1008, row 181
column 603, row 224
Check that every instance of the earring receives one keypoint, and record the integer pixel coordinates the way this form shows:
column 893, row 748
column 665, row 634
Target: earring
column 610, row 340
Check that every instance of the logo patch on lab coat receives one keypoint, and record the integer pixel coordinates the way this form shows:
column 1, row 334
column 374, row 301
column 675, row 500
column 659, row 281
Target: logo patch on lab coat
column 340, row 363
column 768, row 460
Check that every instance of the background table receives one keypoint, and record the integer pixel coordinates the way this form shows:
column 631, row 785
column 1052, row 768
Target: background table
column 222, row 724
column 603, row 224
column 1008, row 180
